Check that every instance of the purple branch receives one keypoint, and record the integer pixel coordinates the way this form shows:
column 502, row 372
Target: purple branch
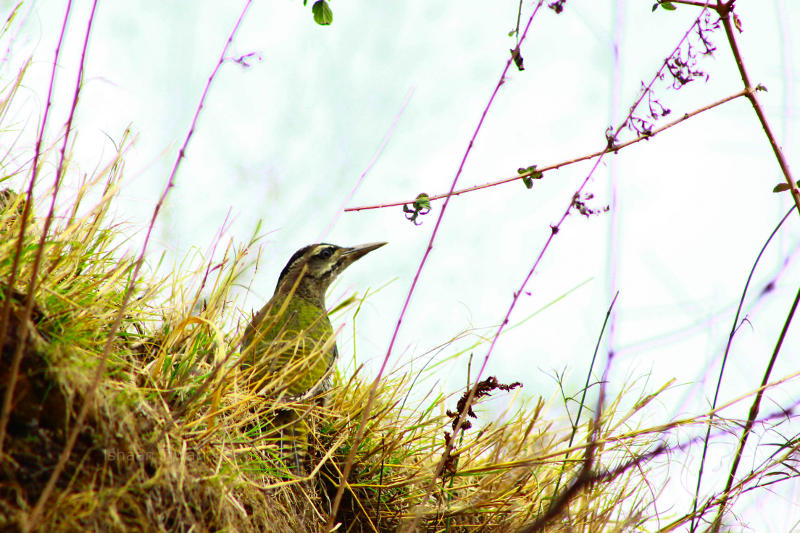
column 30, row 523
column 18, row 249
column 371, row 163
column 111, row 334
column 362, row 424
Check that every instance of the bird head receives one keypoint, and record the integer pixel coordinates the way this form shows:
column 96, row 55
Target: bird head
column 313, row 268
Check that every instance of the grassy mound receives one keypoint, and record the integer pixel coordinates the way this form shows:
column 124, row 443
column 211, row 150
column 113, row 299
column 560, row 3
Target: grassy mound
column 173, row 441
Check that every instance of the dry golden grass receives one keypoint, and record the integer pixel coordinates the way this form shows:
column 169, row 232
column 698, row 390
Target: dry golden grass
column 174, row 441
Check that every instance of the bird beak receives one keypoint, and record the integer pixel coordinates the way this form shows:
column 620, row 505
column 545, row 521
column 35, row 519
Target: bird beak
column 357, row 252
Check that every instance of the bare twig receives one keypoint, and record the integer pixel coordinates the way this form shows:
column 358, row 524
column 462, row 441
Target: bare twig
column 725, row 9
column 751, row 418
column 373, row 388
column 26, row 209
column 734, row 328
column 111, row 334
column 554, row 231
column 692, row 3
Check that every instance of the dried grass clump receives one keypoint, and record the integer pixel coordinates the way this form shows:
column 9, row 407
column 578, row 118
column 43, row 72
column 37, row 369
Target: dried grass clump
column 175, row 442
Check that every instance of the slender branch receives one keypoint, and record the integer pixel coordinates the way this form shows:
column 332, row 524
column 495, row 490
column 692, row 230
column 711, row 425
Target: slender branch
column 692, row 3
column 734, row 328
column 751, row 418
column 374, row 387
column 30, row 522
column 724, row 9
column 585, row 389
column 111, row 334
column 616, row 148
column 611, row 137
column 26, row 209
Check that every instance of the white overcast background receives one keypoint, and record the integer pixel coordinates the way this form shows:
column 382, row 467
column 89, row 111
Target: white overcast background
column 286, row 140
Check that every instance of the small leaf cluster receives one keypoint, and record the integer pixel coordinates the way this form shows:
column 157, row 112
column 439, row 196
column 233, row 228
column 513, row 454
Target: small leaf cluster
column 664, row 4
column 529, row 174
column 557, row 6
column 421, row 206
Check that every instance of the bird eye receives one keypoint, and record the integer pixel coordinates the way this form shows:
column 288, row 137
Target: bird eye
column 325, row 253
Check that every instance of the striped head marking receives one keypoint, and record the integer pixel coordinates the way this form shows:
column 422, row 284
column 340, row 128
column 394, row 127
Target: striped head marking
column 319, row 264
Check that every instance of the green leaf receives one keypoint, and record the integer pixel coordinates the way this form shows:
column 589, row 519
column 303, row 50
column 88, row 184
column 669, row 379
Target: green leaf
column 422, row 202
column 781, row 187
column 322, row 13
column 421, row 206
column 669, row 6
column 531, row 174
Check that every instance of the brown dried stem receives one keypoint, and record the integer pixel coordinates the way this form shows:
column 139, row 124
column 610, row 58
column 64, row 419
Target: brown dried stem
column 724, row 9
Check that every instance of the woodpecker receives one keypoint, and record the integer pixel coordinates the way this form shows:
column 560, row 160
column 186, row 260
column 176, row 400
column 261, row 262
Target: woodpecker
column 289, row 346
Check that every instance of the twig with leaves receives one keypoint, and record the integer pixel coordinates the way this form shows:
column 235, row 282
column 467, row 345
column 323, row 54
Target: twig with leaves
column 535, row 172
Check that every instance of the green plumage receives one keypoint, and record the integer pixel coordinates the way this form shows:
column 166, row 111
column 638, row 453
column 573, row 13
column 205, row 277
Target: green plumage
column 291, row 339
column 289, row 345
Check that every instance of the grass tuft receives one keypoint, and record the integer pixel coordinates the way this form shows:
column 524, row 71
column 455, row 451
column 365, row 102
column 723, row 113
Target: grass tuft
column 176, row 439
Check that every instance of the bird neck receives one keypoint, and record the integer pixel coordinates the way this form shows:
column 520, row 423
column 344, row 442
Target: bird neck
column 307, row 288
